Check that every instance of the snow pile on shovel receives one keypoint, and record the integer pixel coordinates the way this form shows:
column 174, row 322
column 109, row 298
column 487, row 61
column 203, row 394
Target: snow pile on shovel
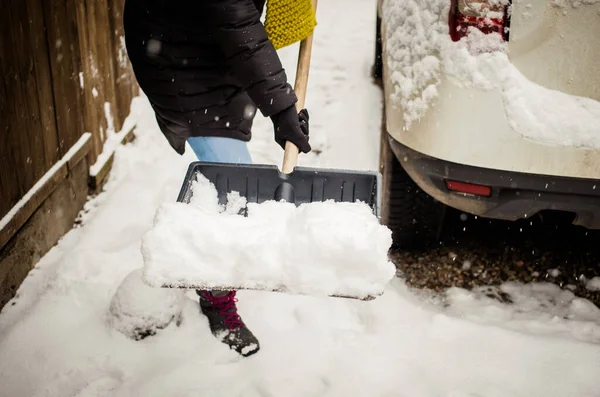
column 322, row 248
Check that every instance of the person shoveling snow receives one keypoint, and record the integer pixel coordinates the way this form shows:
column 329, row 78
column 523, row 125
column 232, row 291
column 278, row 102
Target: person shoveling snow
column 232, row 56
column 205, row 70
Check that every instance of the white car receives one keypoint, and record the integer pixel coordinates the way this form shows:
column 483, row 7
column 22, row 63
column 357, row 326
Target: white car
column 491, row 108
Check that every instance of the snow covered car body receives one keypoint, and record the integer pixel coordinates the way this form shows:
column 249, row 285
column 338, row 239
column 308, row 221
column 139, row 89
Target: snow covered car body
column 491, row 108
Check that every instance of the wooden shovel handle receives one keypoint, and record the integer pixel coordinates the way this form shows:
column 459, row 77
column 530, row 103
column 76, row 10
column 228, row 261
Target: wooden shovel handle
column 290, row 155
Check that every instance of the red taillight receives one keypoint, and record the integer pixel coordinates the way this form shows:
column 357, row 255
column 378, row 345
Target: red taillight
column 469, row 188
column 489, row 16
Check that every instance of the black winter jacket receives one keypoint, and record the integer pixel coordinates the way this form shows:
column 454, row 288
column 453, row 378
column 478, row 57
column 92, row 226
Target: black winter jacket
column 205, row 66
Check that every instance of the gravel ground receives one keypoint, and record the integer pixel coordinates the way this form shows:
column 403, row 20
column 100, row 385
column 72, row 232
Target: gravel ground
column 475, row 252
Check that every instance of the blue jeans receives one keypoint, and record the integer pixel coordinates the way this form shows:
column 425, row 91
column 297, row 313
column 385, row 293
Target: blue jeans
column 220, row 150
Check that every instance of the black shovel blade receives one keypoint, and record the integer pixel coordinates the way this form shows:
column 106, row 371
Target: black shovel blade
column 260, row 183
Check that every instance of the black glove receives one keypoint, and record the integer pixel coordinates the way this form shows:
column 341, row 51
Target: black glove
column 292, row 126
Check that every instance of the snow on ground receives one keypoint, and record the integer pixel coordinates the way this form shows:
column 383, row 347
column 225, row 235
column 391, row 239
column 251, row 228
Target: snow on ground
column 56, row 338
column 593, row 284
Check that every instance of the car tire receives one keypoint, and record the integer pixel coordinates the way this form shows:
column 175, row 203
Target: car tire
column 415, row 218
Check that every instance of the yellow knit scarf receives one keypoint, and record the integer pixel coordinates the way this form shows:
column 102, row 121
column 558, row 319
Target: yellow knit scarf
column 289, row 21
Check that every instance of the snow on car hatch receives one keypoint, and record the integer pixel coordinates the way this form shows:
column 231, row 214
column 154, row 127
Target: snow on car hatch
column 425, row 46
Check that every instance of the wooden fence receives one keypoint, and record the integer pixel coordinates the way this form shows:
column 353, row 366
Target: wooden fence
column 65, row 73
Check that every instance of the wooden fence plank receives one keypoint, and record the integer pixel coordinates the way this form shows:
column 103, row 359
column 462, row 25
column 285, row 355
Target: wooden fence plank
column 93, row 93
column 19, row 119
column 103, row 41
column 34, row 53
column 95, row 43
column 126, row 85
column 65, row 63
column 9, row 193
column 45, row 96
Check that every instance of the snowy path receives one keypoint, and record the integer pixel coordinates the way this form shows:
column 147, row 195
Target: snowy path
column 55, row 340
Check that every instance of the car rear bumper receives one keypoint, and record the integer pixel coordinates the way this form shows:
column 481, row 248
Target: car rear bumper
column 514, row 195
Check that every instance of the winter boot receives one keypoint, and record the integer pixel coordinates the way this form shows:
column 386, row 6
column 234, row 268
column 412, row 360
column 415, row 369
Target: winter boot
column 225, row 323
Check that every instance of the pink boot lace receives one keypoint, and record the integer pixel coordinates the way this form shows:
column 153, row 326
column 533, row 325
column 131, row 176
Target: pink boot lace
column 226, row 306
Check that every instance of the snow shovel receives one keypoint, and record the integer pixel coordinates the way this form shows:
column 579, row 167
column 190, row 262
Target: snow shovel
column 298, row 185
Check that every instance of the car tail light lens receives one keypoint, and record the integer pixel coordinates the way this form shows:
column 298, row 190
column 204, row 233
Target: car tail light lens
column 489, row 16
column 469, row 188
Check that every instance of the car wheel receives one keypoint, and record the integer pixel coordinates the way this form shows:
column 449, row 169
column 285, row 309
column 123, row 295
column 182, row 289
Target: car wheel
column 414, row 217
